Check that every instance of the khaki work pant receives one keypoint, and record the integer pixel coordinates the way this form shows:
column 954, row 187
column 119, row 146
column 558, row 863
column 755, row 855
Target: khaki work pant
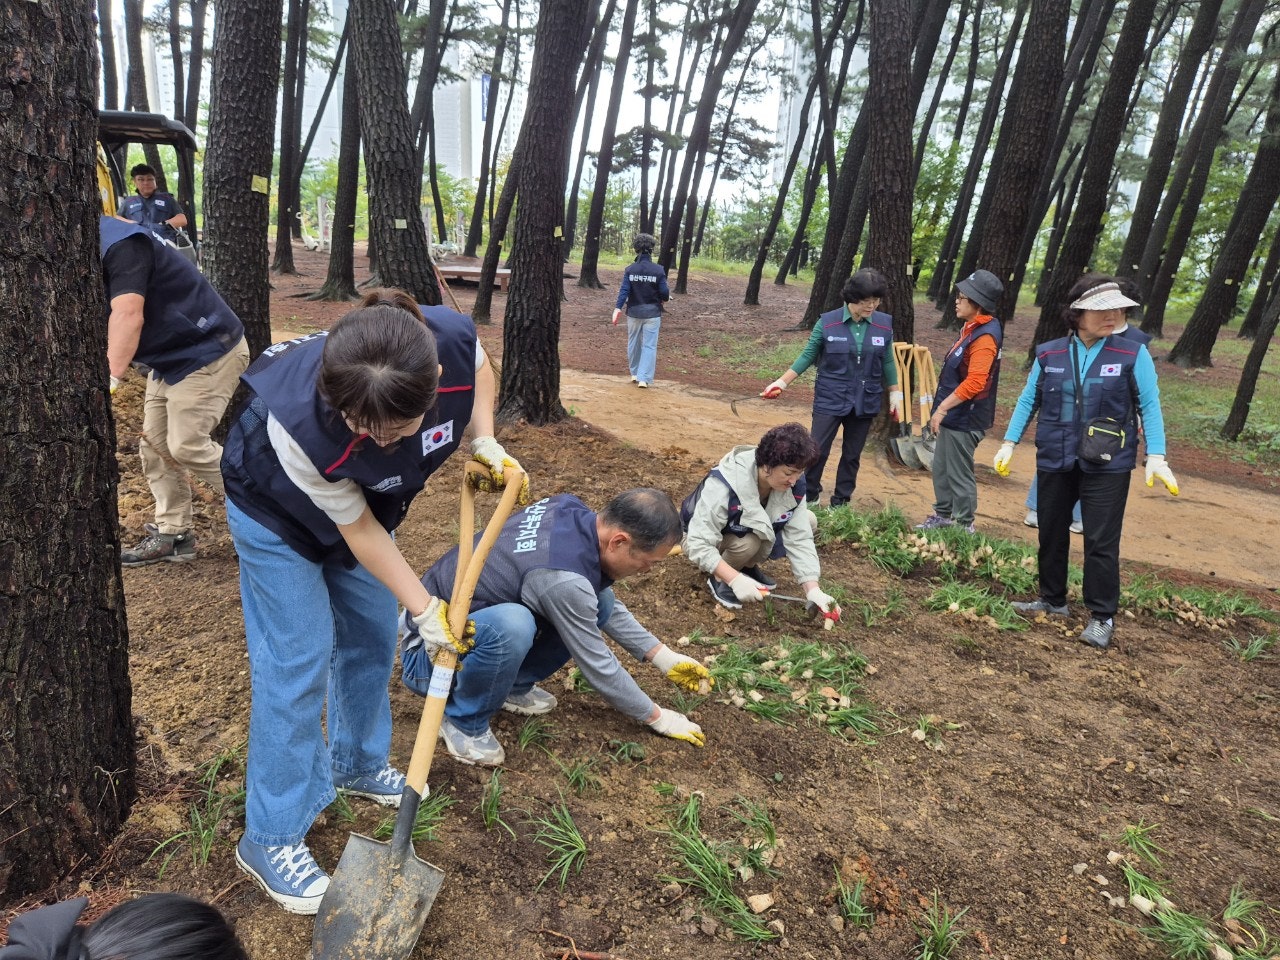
column 176, row 422
column 750, row 550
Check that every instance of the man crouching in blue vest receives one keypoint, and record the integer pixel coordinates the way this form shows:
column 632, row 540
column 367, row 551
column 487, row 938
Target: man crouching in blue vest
column 543, row 599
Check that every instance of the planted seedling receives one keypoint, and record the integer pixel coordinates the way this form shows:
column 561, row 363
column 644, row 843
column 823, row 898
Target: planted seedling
column 577, row 682
column 626, row 751
column 565, row 845
column 1258, row 647
column 581, row 775
column 426, row 822
column 851, row 903
column 535, row 732
column 1138, row 839
column 938, row 931
column 491, row 803
column 220, row 797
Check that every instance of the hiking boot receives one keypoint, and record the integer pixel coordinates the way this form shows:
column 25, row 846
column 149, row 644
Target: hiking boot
column 1077, row 526
column 1097, row 633
column 288, row 875
column 531, row 703
column 724, row 594
column 759, row 576
column 157, row 546
column 934, row 522
column 1036, row 607
column 383, row 787
column 1032, row 519
column 482, row 750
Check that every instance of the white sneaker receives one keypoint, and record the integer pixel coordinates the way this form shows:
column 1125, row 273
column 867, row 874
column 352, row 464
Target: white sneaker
column 1076, row 526
column 642, row 385
column 482, row 750
column 531, row 703
column 1032, row 519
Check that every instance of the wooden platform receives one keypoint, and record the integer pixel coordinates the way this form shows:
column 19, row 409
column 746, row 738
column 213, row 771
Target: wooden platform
column 471, row 273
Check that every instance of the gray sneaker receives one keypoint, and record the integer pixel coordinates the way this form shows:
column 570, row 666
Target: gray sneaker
column 1076, row 526
column 156, row 546
column 1034, row 608
column 1032, row 519
column 531, row 703
column 482, row 750
column 1098, row 633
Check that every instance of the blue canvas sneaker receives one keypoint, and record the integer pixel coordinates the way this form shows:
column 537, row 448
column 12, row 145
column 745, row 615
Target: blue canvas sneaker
column 288, row 875
column 383, row 787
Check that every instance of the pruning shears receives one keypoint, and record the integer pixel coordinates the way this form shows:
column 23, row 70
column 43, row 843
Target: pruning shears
column 831, row 617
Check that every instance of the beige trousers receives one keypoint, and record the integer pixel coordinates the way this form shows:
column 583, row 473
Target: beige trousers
column 749, row 551
column 176, row 422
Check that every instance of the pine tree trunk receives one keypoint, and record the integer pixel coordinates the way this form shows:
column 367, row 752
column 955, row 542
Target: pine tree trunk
column 393, row 176
column 1108, row 128
column 892, row 111
column 67, row 761
column 136, row 89
column 237, row 165
column 195, row 61
column 588, row 273
column 1221, row 293
column 1239, row 413
column 110, row 72
column 531, row 330
column 340, row 282
column 476, row 228
column 1025, row 138
column 588, row 90
column 175, row 55
column 944, row 76
column 289, row 111
column 1262, row 296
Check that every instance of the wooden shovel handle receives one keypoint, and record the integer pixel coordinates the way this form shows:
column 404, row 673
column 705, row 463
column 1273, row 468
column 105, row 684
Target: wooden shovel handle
column 466, row 576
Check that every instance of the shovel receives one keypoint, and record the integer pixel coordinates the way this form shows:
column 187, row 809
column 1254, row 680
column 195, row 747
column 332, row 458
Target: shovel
column 903, row 446
column 381, row 893
column 928, row 384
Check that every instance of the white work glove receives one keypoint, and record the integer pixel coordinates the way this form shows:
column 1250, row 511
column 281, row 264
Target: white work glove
column 748, row 590
column 678, row 727
column 433, row 627
column 827, row 604
column 1158, row 469
column 617, row 315
column 1003, row 457
column 488, row 451
column 685, row 672
column 115, row 384
column 774, row 390
column 896, row 408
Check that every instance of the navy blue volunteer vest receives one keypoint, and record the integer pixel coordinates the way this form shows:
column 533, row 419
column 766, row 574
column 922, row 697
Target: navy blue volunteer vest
column 644, row 302
column 185, row 324
column 557, row 533
column 976, row 413
column 152, row 212
column 1109, row 391
column 846, row 381
column 733, row 526
column 283, row 382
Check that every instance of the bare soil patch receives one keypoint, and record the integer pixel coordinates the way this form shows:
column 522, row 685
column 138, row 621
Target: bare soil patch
column 1048, row 748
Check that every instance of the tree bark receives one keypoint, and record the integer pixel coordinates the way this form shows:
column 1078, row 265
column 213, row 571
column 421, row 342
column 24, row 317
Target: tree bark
column 237, row 165
column 392, row 173
column 531, row 330
column 944, row 76
column 1108, row 128
column 67, row 761
column 340, row 282
column 1262, row 296
column 1025, row 139
column 290, row 110
column 1239, row 414
column 110, row 73
column 476, row 228
column 1222, row 291
column 892, row 111
column 136, row 83
column 588, row 90
column 195, row 59
column 588, row 273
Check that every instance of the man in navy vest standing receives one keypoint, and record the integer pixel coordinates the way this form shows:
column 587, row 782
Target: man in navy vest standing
column 165, row 315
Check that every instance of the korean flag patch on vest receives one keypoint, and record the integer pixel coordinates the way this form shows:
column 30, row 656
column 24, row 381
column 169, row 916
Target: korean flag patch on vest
column 1110, row 370
column 437, row 437
column 877, row 341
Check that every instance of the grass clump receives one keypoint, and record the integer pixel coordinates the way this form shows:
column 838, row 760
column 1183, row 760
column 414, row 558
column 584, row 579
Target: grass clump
column 535, row 732
column 1257, row 647
column 426, row 822
column 219, row 796
column 938, row 931
column 851, row 902
column 565, row 845
column 1138, row 839
column 975, row 603
column 490, row 806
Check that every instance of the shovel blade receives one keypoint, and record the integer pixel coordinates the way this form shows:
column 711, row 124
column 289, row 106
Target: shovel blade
column 904, row 449
column 924, row 451
column 376, row 903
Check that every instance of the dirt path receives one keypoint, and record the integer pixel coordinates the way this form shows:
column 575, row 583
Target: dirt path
column 1213, row 529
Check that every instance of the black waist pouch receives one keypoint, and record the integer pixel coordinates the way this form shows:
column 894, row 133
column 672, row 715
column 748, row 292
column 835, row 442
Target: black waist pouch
column 1102, row 440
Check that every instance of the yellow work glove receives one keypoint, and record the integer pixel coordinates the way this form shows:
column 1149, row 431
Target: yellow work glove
column 1158, row 469
column 1003, row 457
column 678, row 727
column 489, row 452
column 433, row 627
column 685, row 672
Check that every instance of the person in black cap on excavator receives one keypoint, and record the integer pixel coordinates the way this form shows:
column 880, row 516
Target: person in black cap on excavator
column 644, row 290
column 964, row 404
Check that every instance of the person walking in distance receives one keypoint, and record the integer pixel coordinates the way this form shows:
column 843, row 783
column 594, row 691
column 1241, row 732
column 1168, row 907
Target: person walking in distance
column 643, row 292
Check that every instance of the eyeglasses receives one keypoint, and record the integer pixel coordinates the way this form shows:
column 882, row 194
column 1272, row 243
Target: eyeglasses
column 961, row 298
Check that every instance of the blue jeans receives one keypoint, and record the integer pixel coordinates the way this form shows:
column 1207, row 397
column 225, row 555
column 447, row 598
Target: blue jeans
column 511, row 654
column 313, row 629
column 1033, row 499
column 642, row 347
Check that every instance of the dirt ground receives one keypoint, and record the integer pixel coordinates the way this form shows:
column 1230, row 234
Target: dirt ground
column 1050, row 749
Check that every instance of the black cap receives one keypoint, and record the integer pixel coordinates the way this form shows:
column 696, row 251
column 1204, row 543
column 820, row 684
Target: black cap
column 982, row 287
